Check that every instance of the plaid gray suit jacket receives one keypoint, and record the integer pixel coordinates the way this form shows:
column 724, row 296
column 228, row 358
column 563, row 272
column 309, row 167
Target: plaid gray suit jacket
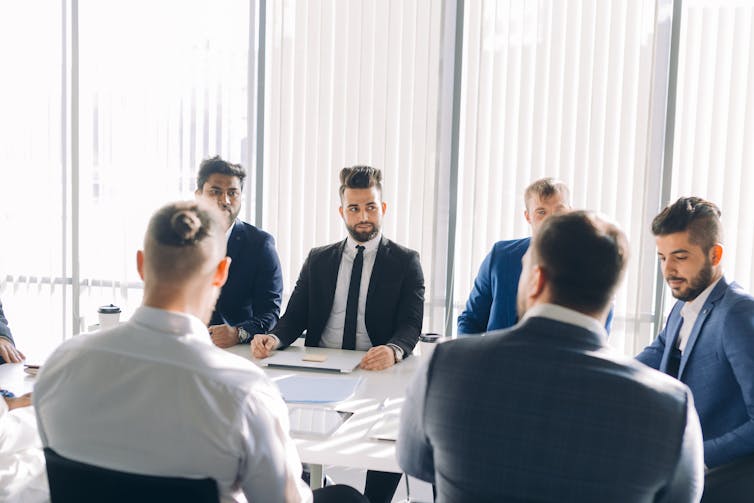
column 545, row 411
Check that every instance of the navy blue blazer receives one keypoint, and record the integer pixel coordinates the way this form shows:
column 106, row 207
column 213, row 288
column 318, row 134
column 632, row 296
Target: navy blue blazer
column 395, row 300
column 718, row 365
column 4, row 328
column 546, row 411
column 251, row 297
column 492, row 301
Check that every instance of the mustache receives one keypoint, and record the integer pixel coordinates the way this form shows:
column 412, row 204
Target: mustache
column 674, row 278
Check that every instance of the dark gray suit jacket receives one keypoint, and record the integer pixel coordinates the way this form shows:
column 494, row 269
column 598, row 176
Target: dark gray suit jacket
column 546, row 412
column 395, row 299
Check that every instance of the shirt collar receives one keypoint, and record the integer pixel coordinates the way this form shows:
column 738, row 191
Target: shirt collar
column 565, row 315
column 694, row 307
column 229, row 231
column 171, row 322
column 369, row 247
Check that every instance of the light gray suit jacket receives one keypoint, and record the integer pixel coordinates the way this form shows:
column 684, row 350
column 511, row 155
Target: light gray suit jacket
column 545, row 411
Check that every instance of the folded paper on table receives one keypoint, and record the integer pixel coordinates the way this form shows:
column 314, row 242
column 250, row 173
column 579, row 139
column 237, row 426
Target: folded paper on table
column 313, row 389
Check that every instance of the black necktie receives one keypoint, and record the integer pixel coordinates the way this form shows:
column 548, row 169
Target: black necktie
column 352, row 305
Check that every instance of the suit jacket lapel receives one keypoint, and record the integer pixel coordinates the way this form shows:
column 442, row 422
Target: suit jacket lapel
column 379, row 269
column 234, row 242
column 671, row 336
column 714, row 296
column 329, row 278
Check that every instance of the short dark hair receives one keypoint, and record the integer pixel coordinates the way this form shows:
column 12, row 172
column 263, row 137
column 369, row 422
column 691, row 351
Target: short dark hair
column 218, row 165
column 179, row 239
column 583, row 257
column 360, row 177
column 699, row 217
column 544, row 188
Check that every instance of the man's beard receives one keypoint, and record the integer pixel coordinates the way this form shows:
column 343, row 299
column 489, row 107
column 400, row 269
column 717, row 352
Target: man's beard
column 696, row 285
column 363, row 237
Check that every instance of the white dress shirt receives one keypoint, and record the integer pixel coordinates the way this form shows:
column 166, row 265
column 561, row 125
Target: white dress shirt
column 690, row 312
column 155, row 396
column 23, row 478
column 332, row 335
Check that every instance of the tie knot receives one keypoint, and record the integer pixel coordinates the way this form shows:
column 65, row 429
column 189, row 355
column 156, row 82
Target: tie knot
column 359, row 249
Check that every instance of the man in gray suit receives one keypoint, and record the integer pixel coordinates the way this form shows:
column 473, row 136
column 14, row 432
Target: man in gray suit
column 546, row 411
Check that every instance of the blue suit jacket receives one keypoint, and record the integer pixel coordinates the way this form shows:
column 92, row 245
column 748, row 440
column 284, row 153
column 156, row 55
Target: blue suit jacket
column 718, row 366
column 251, row 297
column 545, row 411
column 4, row 329
column 492, row 301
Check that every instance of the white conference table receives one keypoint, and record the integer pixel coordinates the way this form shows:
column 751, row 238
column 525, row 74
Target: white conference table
column 379, row 393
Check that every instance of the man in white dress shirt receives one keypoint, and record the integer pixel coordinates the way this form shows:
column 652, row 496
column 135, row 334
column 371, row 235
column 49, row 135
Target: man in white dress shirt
column 155, row 396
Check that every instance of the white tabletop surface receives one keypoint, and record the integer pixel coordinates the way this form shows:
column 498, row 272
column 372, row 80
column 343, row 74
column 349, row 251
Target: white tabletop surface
column 380, row 392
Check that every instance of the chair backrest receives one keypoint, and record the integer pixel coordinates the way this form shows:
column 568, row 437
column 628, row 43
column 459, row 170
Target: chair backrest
column 73, row 481
column 730, row 483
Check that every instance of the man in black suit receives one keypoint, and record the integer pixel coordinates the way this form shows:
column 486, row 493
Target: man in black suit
column 8, row 351
column 364, row 293
column 250, row 300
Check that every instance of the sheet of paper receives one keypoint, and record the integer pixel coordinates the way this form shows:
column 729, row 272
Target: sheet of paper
column 316, row 389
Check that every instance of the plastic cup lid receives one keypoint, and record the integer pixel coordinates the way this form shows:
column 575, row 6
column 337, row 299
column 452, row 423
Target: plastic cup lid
column 109, row 309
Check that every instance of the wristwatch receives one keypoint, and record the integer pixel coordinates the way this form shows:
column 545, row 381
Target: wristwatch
column 397, row 352
column 243, row 335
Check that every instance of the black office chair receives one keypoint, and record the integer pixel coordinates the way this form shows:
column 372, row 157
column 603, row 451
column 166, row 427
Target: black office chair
column 730, row 483
column 74, row 482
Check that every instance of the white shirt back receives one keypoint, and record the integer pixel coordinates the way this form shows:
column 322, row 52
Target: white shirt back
column 154, row 396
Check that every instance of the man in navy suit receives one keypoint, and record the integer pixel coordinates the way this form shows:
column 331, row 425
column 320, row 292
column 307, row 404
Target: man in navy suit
column 708, row 340
column 492, row 301
column 546, row 411
column 250, row 300
column 365, row 292
column 8, row 351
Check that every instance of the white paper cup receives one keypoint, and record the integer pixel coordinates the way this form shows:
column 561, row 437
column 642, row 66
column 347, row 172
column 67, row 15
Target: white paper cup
column 427, row 343
column 108, row 316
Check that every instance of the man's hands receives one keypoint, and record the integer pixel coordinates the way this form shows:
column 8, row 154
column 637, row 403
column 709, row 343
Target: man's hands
column 378, row 358
column 9, row 353
column 18, row 401
column 262, row 345
column 223, row 336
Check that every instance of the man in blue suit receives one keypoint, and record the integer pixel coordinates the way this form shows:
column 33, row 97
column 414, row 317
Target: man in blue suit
column 492, row 301
column 8, row 351
column 249, row 302
column 708, row 340
column 546, row 411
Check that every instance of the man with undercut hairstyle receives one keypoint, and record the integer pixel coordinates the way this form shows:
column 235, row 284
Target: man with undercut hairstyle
column 365, row 292
column 708, row 340
column 154, row 396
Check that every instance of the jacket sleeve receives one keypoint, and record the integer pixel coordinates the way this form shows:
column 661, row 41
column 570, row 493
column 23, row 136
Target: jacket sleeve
column 738, row 346
column 410, row 315
column 474, row 319
column 4, row 329
column 687, row 480
column 268, row 290
column 413, row 449
column 296, row 317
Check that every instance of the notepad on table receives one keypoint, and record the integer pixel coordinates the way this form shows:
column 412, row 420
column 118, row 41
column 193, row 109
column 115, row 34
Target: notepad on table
column 316, row 389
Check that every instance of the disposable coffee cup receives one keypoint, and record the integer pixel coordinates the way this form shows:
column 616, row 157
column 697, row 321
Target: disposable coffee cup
column 427, row 343
column 108, row 316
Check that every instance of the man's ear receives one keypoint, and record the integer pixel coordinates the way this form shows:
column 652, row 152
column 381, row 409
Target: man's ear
column 527, row 217
column 340, row 210
column 384, row 207
column 538, row 282
column 716, row 254
column 221, row 272
column 140, row 263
